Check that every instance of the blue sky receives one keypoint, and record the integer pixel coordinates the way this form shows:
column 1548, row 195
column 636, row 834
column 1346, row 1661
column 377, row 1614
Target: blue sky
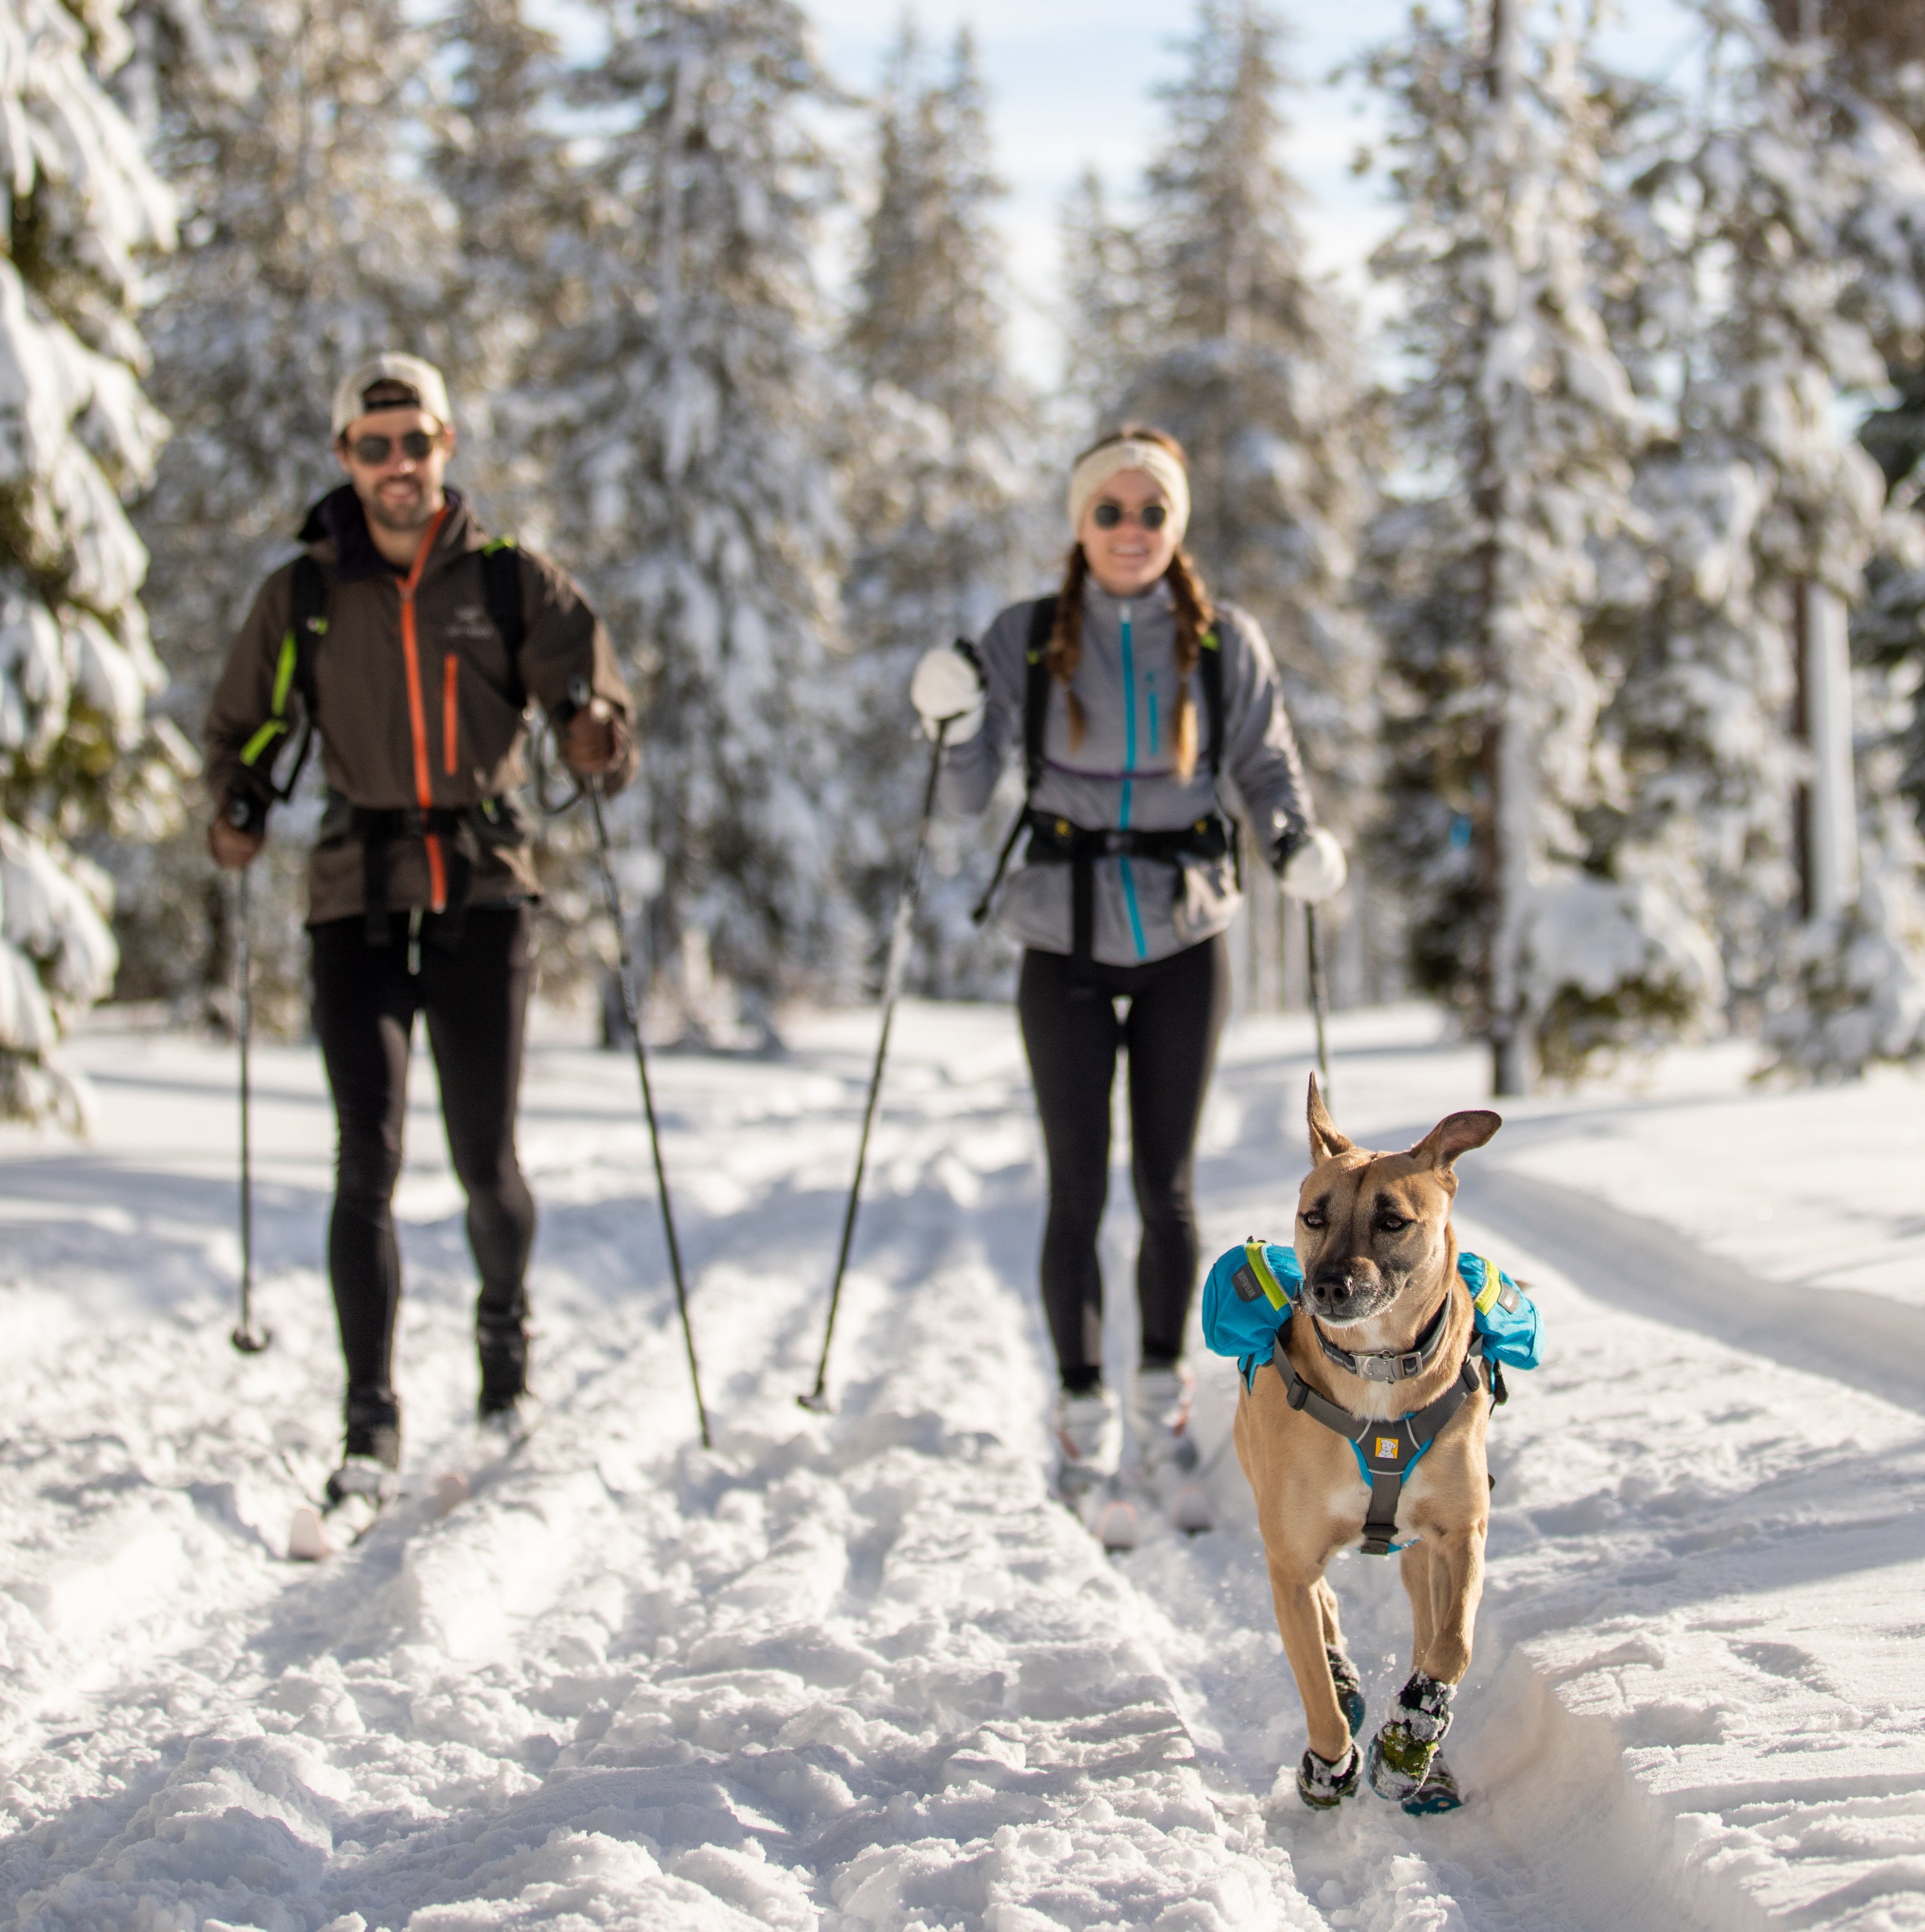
column 1071, row 82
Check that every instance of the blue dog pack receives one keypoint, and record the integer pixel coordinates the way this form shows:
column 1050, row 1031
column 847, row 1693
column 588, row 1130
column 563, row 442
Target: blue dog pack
column 1252, row 1291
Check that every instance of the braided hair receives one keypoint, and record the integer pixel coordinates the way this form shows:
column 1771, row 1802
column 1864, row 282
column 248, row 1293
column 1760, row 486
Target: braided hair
column 1195, row 614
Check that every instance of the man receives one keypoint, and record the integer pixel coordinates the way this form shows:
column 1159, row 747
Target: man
column 409, row 646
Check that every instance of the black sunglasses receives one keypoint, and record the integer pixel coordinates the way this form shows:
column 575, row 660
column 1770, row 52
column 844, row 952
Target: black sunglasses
column 1151, row 516
column 417, row 446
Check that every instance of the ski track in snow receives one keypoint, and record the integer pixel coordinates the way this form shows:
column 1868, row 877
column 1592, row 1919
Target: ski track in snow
column 860, row 1671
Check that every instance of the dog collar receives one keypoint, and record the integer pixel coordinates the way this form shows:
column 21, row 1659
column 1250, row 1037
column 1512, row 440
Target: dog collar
column 1389, row 1365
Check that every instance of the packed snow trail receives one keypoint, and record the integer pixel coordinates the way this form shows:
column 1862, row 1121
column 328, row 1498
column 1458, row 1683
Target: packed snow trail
column 859, row 1671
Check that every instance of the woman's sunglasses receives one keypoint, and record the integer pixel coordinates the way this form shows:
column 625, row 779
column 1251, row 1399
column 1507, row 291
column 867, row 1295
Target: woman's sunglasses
column 417, row 446
column 1151, row 516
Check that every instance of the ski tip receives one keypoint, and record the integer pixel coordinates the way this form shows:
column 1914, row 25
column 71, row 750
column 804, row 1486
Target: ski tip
column 307, row 1536
column 1192, row 1514
column 1116, row 1528
column 450, row 1492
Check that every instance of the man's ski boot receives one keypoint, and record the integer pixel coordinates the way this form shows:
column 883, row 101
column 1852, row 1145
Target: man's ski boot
column 357, row 1491
column 1404, row 1766
column 1166, row 1454
column 506, row 1411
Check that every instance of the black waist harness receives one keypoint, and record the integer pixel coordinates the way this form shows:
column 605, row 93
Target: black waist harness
column 462, row 831
column 1055, row 842
column 1386, row 1450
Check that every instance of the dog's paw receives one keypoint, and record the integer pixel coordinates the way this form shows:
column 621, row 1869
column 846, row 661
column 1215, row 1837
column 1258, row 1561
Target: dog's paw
column 1437, row 1793
column 1324, row 1787
column 1401, row 1754
column 1349, row 1689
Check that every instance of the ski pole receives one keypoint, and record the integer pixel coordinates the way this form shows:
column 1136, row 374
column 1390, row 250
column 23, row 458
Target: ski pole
column 1316, row 998
column 246, row 1337
column 632, row 1013
column 892, row 982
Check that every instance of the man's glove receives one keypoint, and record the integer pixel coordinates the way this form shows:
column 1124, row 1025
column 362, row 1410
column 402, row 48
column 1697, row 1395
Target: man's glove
column 1311, row 868
column 947, row 688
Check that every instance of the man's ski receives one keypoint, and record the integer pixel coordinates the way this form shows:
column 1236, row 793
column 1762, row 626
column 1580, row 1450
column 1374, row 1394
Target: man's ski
column 317, row 1533
column 498, row 1439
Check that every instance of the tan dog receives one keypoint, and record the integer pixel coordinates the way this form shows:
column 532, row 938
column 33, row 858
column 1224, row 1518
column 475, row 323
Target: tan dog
column 1379, row 1258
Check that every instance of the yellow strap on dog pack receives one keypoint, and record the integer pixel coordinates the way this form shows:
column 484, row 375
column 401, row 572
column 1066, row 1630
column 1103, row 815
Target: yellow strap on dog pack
column 1274, row 1291
column 1486, row 1299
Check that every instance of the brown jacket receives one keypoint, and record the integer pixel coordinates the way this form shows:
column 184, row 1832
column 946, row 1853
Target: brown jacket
column 418, row 708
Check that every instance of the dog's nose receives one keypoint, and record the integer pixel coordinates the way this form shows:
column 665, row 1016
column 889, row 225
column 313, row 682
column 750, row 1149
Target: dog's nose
column 1333, row 1288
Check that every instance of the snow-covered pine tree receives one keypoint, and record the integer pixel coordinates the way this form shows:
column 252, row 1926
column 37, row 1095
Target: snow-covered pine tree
column 1106, row 326
column 76, row 669
column 500, row 160
column 1821, row 271
column 1525, row 421
column 308, row 240
column 687, row 407
column 1251, row 361
column 939, row 473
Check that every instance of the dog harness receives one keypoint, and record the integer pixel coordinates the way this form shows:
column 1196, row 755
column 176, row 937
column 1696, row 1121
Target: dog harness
column 1387, row 1450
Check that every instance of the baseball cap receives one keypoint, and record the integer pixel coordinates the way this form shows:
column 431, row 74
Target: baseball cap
column 391, row 368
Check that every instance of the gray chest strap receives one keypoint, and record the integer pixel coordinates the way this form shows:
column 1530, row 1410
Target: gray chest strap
column 1385, row 1450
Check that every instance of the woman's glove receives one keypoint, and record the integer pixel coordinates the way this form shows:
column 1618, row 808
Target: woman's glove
column 948, row 688
column 1316, row 869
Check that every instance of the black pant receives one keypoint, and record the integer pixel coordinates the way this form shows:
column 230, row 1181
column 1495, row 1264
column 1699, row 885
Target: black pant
column 476, row 998
column 1176, row 1013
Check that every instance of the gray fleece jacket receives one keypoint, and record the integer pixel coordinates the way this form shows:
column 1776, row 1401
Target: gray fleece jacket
column 1123, row 774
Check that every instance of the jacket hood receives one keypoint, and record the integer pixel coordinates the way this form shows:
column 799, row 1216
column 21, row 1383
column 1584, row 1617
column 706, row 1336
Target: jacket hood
column 339, row 520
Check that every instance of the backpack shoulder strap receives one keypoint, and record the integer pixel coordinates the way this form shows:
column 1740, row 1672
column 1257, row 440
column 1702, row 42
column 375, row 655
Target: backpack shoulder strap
column 293, row 674
column 1036, row 689
column 501, row 592
column 1210, row 675
column 307, row 625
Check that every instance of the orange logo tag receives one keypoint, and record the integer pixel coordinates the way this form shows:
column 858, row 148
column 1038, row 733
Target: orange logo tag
column 1386, row 1445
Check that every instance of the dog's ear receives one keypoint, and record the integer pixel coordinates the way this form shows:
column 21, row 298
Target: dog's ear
column 1325, row 1140
column 1456, row 1134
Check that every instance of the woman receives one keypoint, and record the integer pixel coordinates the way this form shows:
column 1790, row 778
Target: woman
column 1129, row 692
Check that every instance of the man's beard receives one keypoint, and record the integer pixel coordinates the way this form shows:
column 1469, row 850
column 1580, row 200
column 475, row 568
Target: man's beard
column 415, row 513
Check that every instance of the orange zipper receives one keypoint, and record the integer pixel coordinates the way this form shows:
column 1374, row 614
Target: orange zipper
column 451, row 713
column 423, row 780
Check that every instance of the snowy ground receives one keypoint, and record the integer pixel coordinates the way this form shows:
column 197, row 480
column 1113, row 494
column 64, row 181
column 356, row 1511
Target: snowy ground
column 859, row 1672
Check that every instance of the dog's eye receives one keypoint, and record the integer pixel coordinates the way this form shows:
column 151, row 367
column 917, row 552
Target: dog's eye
column 1312, row 1217
column 1391, row 1223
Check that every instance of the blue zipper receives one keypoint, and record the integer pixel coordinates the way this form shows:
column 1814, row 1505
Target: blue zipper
column 1130, row 765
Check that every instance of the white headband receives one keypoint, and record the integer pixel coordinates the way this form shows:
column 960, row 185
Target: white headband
column 1112, row 460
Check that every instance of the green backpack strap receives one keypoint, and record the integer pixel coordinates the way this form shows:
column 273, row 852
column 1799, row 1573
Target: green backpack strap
column 293, row 674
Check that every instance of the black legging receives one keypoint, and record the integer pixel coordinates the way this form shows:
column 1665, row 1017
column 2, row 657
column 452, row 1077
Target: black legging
column 1177, row 1010
column 476, row 998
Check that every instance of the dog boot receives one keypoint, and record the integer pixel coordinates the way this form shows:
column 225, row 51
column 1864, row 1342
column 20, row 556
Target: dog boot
column 1350, row 1688
column 1166, row 1454
column 1401, row 1753
column 1324, row 1787
column 1438, row 1793
column 1089, row 1442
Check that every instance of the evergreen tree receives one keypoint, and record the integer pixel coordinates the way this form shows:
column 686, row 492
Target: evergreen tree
column 76, row 669
column 308, row 241
column 1106, row 325
column 938, row 499
column 687, row 408
column 503, row 166
column 1524, row 417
